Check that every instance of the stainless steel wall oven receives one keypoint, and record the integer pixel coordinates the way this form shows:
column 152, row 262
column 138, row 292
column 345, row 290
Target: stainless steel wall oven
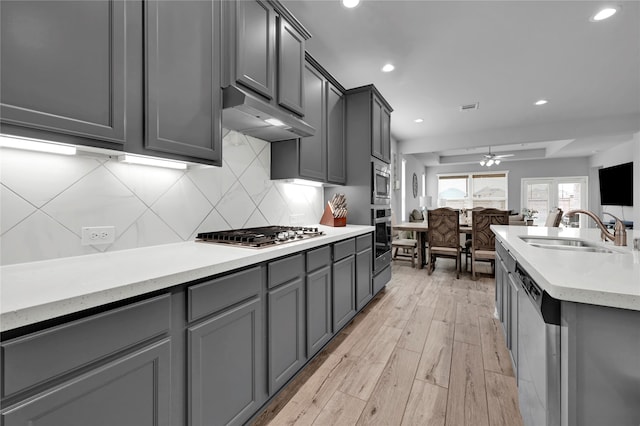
column 381, row 219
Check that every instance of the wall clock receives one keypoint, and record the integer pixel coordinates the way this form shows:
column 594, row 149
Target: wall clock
column 415, row 185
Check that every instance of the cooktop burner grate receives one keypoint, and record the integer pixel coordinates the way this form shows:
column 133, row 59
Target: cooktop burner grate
column 264, row 236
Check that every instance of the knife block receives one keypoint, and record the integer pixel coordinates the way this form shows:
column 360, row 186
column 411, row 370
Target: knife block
column 328, row 219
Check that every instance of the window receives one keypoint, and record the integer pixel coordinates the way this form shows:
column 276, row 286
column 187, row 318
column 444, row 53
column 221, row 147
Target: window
column 469, row 190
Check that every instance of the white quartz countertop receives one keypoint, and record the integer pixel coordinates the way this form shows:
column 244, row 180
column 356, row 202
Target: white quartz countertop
column 607, row 279
column 37, row 291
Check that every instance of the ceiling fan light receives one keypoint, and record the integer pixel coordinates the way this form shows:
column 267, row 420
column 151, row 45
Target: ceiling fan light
column 482, row 162
column 490, row 162
column 496, row 162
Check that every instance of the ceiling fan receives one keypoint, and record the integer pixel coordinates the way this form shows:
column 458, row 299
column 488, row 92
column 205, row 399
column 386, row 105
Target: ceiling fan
column 491, row 159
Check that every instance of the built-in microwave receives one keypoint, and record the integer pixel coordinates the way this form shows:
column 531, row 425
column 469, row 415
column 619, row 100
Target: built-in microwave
column 380, row 183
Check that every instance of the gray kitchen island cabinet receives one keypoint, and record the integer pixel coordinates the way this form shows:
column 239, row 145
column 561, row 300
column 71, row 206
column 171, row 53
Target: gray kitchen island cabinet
column 64, row 71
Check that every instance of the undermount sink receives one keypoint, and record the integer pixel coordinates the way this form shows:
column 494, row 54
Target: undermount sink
column 567, row 244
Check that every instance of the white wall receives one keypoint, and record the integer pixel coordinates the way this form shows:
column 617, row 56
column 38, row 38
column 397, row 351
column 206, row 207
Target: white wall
column 412, row 166
column 517, row 170
column 623, row 153
column 46, row 199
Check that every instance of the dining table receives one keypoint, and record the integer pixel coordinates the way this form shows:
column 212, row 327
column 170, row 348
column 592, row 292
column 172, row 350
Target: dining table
column 421, row 229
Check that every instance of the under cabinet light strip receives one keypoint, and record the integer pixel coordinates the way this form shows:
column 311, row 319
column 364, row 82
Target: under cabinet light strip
column 156, row 162
column 28, row 144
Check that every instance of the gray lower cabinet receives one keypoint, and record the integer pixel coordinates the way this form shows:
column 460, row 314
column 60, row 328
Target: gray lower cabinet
column 364, row 262
column 344, row 283
column 225, row 363
column 183, row 97
column 286, row 332
column 132, row 390
column 319, row 299
column 64, row 69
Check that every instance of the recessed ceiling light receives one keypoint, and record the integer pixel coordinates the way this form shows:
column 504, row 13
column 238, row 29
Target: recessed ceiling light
column 418, row 120
column 541, row 102
column 388, row 68
column 603, row 14
column 350, row 3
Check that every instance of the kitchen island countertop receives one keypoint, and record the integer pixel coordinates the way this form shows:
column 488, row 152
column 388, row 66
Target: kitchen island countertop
column 37, row 291
column 606, row 279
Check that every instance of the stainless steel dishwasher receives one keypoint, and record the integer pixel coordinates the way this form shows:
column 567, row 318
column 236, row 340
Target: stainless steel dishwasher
column 538, row 353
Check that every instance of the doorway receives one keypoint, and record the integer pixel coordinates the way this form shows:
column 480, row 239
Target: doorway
column 545, row 194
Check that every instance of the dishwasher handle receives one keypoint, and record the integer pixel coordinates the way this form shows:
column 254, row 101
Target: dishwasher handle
column 547, row 306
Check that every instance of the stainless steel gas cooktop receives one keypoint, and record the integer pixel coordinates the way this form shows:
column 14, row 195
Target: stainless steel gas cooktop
column 264, row 236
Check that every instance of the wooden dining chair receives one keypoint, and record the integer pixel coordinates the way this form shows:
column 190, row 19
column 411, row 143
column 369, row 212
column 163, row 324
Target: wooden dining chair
column 402, row 248
column 444, row 236
column 553, row 220
column 483, row 241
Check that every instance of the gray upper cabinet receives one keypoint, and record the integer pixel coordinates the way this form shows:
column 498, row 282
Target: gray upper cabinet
column 313, row 152
column 336, row 157
column 183, row 97
column 265, row 52
column 320, row 157
column 255, row 46
column 64, row 70
column 290, row 67
column 369, row 118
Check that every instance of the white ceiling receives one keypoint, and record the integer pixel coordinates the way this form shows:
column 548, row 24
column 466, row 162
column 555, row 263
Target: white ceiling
column 504, row 55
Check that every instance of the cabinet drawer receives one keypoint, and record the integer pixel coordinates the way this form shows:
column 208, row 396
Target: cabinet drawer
column 363, row 242
column 318, row 258
column 343, row 249
column 285, row 270
column 38, row 357
column 212, row 296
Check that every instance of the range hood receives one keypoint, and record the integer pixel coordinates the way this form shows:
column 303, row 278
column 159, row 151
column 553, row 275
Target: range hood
column 246, row 114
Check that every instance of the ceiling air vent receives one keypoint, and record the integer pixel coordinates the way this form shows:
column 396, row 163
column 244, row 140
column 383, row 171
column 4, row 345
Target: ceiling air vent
column 469, row 107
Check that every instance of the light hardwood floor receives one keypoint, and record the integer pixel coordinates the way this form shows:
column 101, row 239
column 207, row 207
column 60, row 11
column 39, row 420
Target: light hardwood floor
column 426, row 351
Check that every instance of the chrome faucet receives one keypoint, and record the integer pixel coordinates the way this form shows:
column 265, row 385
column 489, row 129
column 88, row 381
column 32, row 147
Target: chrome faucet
column 619, row 236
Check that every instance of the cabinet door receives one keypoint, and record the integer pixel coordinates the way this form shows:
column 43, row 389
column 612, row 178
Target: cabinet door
column 318, row 309
column 336, row 162
column 63, row 67
column 286, row 333
column 183, row 96
column 255, row 46
column 513, row 323
column 344, row 304
column 313, row 152
column 132, row 390
column 376, row 128
column 364, row 289
column 385, row 123
column 501, row 273
column 290, row 68
column 225, row 366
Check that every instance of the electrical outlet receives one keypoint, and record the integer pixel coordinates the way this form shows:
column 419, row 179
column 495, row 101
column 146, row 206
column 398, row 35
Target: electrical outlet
column 97, row 235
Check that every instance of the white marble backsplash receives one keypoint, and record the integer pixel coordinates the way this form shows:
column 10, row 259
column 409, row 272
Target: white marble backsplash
column 46, row 199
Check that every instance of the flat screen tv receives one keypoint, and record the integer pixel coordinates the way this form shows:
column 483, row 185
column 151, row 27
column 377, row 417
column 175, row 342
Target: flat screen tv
column 616, row 185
